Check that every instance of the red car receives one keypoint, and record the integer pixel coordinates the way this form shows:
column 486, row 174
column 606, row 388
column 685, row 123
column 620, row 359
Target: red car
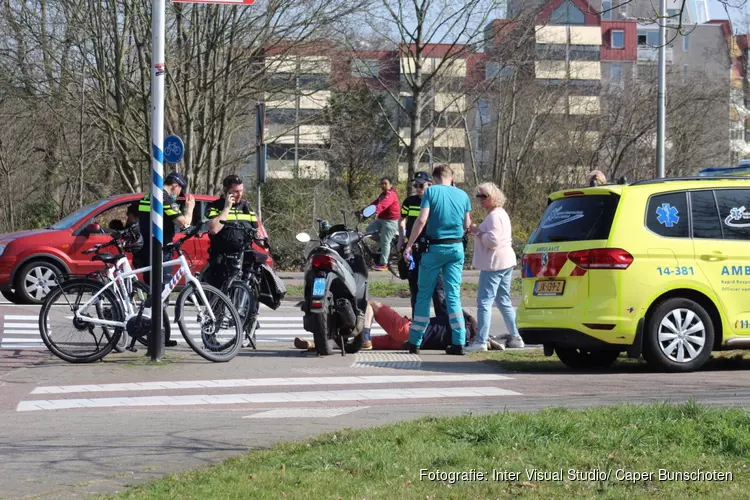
column 29, row 260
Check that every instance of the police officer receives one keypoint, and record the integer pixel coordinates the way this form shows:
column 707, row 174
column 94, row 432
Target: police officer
column 174, row 185
column 409, row 213
column 227, row 243
column 444, row 217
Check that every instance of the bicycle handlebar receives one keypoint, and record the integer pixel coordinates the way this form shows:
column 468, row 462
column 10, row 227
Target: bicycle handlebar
column 190, row 233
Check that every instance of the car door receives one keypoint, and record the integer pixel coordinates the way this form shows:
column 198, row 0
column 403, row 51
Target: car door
column 721, row 239
column 84, row 240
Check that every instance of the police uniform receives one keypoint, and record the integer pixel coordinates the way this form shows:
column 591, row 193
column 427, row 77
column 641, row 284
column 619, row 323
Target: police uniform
column 227, row 245
column 171, row 213
column 410, row 211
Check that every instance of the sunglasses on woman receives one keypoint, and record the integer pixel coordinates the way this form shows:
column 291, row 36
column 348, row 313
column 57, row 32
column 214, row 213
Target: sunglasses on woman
column 483, row 196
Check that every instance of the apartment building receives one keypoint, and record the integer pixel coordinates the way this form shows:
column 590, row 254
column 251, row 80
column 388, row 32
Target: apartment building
column 596, row 48
column 298, row 88
column 300, row 83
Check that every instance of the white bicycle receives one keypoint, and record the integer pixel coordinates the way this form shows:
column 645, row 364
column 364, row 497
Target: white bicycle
column 83, row 319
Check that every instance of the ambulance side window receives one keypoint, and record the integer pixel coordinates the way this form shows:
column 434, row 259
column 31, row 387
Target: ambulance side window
column 705, row 214
column 667, row 215
column 734, row 211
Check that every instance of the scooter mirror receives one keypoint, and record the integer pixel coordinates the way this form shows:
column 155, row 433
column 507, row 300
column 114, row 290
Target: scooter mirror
column 303, row 237
column 368, row 211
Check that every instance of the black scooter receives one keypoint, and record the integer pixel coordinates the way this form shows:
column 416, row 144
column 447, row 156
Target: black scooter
column 336, row 287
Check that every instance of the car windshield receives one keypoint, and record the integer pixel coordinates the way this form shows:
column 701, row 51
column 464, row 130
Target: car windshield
column 76, row 216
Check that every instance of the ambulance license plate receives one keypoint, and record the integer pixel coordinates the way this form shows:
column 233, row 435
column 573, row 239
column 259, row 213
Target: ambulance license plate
column 547, row 288
column 319, row 287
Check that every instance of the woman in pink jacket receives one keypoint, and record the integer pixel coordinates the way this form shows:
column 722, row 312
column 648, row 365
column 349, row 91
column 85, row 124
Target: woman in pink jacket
column 495, row 259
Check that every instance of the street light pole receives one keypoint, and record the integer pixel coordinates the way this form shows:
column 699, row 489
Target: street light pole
column 661, row 125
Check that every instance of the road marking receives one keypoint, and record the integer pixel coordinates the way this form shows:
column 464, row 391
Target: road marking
column 306, row 412
column 268, row 382
column 17, row 317
column 403, row 361
column 273, row 397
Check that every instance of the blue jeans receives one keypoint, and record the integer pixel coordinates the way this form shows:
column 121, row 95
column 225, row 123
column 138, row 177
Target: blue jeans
column 386, row 230
column 450, row 260
column 494, row 286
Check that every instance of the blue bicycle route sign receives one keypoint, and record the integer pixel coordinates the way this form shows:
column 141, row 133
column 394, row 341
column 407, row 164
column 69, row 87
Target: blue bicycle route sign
column 174, row 149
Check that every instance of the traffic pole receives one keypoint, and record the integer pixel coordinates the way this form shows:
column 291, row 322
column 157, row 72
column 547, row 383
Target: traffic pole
column 156, row 340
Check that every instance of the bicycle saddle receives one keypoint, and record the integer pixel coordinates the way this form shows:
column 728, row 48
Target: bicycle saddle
column 108, row 258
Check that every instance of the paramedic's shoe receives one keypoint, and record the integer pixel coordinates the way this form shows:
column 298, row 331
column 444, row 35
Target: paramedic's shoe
column 456, row 350
column 413, row 349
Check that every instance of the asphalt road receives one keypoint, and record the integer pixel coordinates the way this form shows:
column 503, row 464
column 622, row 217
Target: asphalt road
column 71, row 430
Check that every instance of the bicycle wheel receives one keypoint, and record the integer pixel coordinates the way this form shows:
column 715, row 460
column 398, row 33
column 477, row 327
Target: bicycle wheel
column 77, row 340
column 246, row 303
column 216, row 340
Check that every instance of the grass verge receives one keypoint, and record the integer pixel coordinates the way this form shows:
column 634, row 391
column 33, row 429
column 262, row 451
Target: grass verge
column 401, row 289
column 534, row 360
column 386, row 462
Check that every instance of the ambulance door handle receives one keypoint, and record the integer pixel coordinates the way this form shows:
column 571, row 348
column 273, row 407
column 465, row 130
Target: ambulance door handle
column 714, row 257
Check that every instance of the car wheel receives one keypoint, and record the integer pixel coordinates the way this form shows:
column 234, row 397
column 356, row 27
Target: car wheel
column 680, row 336
column 10, row 295
column 35, row 280
column 581, row 359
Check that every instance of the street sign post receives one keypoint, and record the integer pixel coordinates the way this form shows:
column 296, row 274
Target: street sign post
column 174, row 149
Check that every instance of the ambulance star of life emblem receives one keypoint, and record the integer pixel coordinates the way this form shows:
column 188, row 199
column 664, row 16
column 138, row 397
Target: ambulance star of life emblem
column 545, row 259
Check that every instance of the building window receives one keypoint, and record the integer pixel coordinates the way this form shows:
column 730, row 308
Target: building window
column 623, row 8
column 686, row 42
column 648, row 38
column 615, row 74
column 365, row 68
column 607, row 10
column 567, row 13
column 673, row 16
column 618, row 39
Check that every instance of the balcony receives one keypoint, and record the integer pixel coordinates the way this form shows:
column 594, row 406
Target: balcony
column 646, row 53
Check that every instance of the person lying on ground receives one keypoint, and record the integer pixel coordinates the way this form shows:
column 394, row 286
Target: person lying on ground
column 436, row 337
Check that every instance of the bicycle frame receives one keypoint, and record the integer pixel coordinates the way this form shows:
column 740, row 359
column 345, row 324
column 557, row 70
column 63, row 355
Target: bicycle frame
column 118, row 282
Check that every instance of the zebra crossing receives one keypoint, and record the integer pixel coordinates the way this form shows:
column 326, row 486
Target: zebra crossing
column 21, row 331
column 277, row 397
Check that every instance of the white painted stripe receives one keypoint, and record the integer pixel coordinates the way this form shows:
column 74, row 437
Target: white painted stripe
column 21, row 317
column 21, row 325
column 22, row 332
column 306, row 412
column 10, row 340
column 269, row 382
column 272, row 397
